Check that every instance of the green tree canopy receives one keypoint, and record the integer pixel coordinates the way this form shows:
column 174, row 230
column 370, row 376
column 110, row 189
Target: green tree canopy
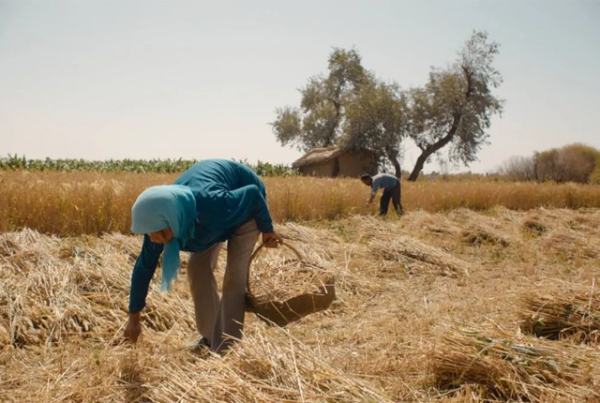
column 376, row 120
column 317, row 123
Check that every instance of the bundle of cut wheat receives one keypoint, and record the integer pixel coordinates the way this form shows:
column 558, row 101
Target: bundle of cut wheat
column 535, row 224
column 478, row 234
column 435, row 224
column 416, row 255
column 566, row 311
column 571, row 245
column 514, row 369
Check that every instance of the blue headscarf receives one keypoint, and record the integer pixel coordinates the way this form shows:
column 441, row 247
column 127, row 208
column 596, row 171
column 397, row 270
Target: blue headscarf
column 161, row 207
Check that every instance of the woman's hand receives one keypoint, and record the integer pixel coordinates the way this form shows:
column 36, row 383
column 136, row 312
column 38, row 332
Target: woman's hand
column 271, row 239
column 133, row 328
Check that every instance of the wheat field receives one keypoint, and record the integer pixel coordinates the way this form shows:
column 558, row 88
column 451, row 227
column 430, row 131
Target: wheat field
column 435, row 306
column 71, row 203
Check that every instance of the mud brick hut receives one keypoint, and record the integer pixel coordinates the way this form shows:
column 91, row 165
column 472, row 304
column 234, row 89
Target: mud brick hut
column 334, row 162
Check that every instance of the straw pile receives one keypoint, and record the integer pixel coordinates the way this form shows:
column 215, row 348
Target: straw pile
column 535, row 224
column 417, row 257
column 52, row 289
column 480, row 233
column 509, row 368
column 563, row 311
column 435, row 224
column 571, row 245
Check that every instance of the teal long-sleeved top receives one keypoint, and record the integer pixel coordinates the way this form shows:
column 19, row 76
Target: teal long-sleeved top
column 227, row 195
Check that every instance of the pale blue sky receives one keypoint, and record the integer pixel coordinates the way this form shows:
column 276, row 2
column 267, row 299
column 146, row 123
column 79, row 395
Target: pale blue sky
column 192, row 79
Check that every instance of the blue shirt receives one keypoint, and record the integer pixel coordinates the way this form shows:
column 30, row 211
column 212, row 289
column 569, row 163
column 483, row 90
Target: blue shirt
column 384, row 181
column 227, row 195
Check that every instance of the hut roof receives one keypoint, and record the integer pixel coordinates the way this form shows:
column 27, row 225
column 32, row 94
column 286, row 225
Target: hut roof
column 317, row 155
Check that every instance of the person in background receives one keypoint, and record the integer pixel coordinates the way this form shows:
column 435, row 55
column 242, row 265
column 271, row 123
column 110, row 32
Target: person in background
column 212, row 202
column 391, row 190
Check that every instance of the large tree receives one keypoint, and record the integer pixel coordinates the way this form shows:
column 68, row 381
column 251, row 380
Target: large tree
column 352, row 109
column 317, row 123
column 349, row 108
column 455, row 107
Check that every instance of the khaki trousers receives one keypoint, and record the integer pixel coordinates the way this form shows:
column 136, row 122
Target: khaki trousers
column 221, row 320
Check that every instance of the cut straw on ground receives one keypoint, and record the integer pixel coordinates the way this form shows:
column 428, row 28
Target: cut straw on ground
column 563, row 311
column 401, row 297
column 510, row 368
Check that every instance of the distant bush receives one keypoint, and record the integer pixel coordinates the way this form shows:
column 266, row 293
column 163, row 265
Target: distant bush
column 571, row 163
column 518, row 168
column 595, row 176
column 462, row 177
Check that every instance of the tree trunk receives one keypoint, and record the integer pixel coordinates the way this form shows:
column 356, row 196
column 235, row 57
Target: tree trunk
column 433, row 148
column 331, row 138
column 419, row 165
column 448, row 137
column 393, row 157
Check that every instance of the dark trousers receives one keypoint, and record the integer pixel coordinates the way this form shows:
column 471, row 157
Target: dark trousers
column 394, row 195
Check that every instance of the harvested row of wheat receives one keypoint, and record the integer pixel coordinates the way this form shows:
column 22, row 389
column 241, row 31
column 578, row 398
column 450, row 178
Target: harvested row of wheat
column 52, row 289
column 563, row 311
column 515, row 368
column 481, row 234
column 417, row 255
column 571, row 245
